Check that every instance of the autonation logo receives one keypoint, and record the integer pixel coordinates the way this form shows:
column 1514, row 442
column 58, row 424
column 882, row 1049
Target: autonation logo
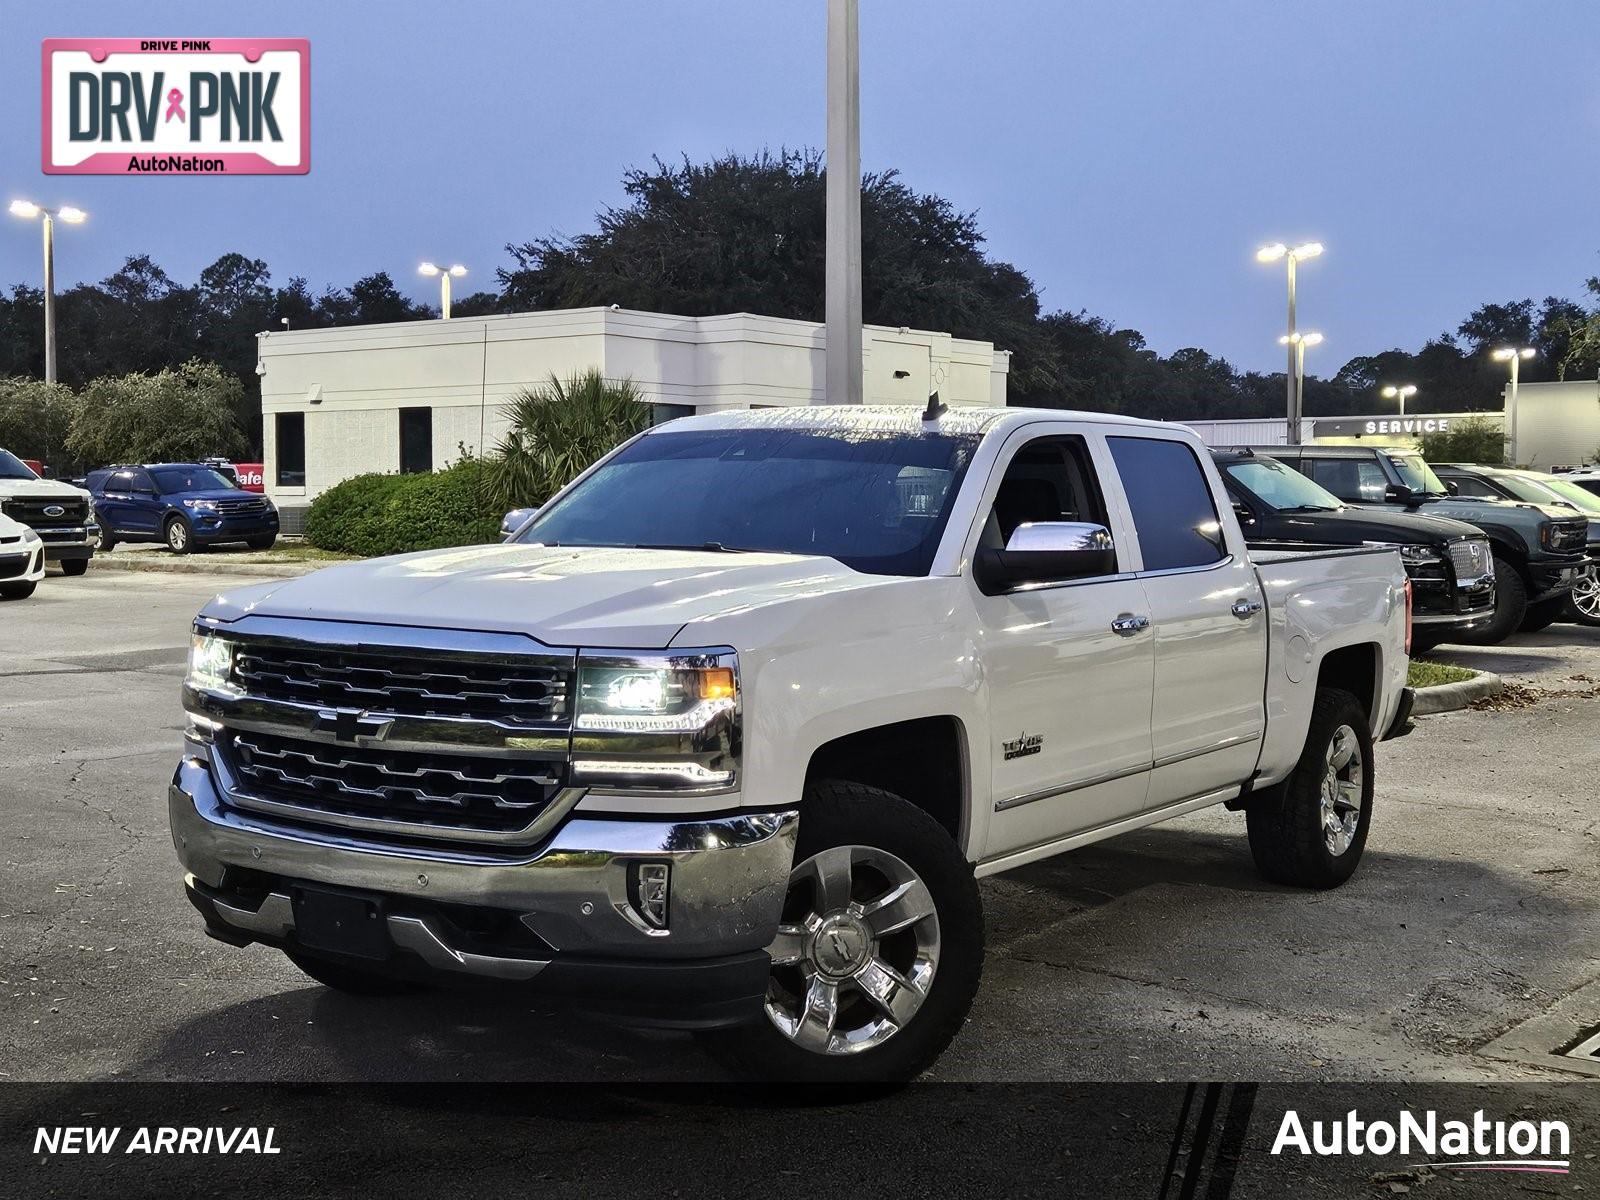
column 1479, row 1144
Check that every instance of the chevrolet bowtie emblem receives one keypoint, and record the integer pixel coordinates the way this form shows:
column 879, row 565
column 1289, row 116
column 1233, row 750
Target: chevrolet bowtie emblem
column 351, row 725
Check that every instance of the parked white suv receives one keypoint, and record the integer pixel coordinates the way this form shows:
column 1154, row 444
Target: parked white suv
column 726, row 734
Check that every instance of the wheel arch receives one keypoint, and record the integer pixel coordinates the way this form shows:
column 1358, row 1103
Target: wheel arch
column 924, row 760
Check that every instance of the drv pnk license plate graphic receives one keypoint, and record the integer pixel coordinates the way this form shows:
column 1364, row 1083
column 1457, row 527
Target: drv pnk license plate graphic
column 209, row 106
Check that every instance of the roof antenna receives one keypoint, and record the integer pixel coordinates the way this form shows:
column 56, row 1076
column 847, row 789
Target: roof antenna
column 936, row 408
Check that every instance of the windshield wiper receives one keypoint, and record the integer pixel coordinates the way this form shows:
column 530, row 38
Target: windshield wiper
column 1308, row 508
column 716, row 547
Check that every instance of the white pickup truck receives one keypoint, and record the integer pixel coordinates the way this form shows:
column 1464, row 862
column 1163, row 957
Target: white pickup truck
column 727, row 732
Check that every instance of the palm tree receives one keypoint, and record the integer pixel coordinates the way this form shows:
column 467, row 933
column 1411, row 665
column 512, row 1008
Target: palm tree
column 556, row 431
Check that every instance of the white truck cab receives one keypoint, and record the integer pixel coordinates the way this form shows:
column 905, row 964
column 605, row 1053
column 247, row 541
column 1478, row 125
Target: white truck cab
column 726, row 732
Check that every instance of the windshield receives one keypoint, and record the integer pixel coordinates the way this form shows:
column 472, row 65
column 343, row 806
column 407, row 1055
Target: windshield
column 191, row 479
column 1567, row 492
column 1280, row 487
column 12, row 467
column 876, row 502
column 1416, row 474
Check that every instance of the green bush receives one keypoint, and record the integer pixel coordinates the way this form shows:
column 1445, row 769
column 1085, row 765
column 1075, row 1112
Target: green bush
column 392, row 514
column 556, row 432
column 34, row 420
column 1473, row 440
column 179, row 415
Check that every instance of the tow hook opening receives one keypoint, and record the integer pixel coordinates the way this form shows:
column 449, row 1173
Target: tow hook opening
column 649, row 889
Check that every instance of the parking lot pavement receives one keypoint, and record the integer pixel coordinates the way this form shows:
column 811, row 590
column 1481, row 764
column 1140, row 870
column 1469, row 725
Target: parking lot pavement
column 1157, row 955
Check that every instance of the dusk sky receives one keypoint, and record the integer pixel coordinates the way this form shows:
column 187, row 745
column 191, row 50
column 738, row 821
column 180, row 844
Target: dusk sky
column 1129, row 157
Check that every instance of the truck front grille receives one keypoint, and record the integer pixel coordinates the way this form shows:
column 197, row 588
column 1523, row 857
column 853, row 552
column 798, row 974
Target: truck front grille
column 420, row 794
column 1568, row 537
column 31, row 511
column 525, row 692
column 1471, row 558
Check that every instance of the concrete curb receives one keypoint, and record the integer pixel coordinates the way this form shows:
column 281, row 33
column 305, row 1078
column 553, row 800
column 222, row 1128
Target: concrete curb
column 1447, row 697
column 203, row 565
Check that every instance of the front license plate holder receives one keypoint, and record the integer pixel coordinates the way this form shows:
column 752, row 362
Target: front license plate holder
column 341, row 922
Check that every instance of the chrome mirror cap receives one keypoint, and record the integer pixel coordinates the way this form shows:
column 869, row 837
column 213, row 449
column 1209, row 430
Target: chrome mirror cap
column 515, row 520
column 1055, row 536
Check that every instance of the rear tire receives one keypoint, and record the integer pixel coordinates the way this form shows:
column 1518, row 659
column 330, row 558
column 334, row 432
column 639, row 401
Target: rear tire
column 352, row 980
column 17, row 591
column 74, row 566
column 880, row 898
column 106, row 542
column 1310, row 830
column 1543, row 613
column 1510, row 606
column 178, row 536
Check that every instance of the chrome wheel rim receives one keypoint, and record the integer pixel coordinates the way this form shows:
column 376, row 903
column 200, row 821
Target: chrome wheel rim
column 856, row 951
column 1341, row 790
column 1586, row 592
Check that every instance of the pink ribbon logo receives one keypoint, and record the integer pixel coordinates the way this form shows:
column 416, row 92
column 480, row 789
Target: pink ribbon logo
column 175, row 105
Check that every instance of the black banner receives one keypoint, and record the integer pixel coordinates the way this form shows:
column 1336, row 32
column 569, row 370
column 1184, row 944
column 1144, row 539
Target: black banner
column 1163, row 1142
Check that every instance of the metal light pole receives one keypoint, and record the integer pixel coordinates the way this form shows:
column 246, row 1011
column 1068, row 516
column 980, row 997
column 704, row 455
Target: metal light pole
column 1513, row 355
column 1297, row 343
column 842, row 298
column 1295, row 392
column 1393, row 392
column 445, row 274
column 72, row 216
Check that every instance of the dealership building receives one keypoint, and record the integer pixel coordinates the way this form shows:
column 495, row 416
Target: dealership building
column 1549, row 427
column 410, row 396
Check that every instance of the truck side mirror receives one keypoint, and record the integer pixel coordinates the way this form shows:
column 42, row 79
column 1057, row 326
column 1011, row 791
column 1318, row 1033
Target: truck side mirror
column 515, row 520
column 1451, row 486
column 1242, row 511
column 1398, row 493
column 1046, row 552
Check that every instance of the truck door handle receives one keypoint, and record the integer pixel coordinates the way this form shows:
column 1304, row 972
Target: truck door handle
column 1245, row 609
column 1128, row 624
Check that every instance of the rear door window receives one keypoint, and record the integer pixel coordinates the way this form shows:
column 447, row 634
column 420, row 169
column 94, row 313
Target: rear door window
column 1171, row 503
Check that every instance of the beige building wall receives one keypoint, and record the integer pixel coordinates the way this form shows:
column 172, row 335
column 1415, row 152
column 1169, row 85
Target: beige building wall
column 1556, row 424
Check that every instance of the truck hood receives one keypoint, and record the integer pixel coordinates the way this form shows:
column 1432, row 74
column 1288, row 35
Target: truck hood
column 41, row 489
column 1377, row 525
column 562, row 596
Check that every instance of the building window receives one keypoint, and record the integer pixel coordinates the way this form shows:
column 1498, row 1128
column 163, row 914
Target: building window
column 289, row 438
column 416, row 440
column 660, row 414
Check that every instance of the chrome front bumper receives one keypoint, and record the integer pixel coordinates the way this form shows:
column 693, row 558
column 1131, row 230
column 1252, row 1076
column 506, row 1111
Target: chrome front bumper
column 577, row 894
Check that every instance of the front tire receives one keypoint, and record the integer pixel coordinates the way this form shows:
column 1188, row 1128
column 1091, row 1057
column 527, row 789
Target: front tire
column 1310, row 830
column 178, row 536
column 1510, row 606
column 879, row 947
column 350, row 979
column 74, row 566
column 262, row 543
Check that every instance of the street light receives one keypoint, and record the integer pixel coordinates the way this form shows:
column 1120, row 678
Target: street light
column 445, row 274
column 1297, row 343
column 1292, row 255
column 28, row 210
column 1513, row 355
column 1393, row 392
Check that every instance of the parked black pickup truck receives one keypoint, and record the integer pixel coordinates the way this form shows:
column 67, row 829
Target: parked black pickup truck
column 1449, row 563
column 1538, row 548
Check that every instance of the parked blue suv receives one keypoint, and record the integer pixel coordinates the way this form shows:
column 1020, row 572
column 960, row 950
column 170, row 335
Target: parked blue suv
column 185, row 505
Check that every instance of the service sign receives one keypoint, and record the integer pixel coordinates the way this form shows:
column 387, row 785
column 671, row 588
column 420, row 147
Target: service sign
column 208, row 106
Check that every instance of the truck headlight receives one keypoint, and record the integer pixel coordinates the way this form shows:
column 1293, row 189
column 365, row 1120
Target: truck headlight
column 211, row 663
column 1420, row 554
column 28, row 536
column 657, row 721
